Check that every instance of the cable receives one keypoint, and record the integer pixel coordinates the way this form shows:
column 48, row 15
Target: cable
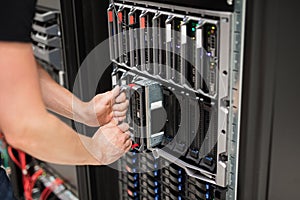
column 47, row 191
column 28, row 181
column 43, row 194
column 12, row 156
column 35, row 177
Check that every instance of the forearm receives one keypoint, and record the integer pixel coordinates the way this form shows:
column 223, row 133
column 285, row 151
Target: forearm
column 24, row 120
column 48, row 139
column 98, row 111
column 60, row 100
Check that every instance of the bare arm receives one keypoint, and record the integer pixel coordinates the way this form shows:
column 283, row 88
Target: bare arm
column 98, row 111
column 24, row 120
column 58, row 99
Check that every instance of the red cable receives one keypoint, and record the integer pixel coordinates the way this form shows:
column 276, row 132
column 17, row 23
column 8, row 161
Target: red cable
column 28, row 181
column 22, row 166
column 26, row 176
column 47, row 194
column 47, row 191
column 34, row 178
column 12, row 156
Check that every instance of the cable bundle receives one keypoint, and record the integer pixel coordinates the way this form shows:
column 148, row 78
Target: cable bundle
column 30, row 180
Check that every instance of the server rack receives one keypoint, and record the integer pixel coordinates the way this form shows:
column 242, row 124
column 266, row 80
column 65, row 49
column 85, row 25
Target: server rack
column 54, row 49
column 269, row 118
column 256, row 166
column 258, row 138
column 205, row 146
column 265, row 152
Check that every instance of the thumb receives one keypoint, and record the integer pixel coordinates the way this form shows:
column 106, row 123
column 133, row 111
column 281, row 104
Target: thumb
column 110, row 96
column 115, row 92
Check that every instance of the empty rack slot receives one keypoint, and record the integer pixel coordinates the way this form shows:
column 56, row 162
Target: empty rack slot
column 170, row 103
column 209, row 131
column 196, row 137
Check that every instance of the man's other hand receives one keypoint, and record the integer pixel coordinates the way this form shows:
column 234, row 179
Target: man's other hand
column 110, row 142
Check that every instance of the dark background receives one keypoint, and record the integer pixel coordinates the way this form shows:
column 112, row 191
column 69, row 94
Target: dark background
column 269, row 146
column 269, row 164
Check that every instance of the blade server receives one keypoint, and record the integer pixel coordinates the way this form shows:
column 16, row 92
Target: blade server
column 181, row 67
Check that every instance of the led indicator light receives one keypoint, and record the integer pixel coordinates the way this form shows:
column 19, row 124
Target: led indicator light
column 207, row 196
column 207, row 186
column 142, row 22
column 134, row 146
column 131, row 20
column 110, row 16
column 129, row 192
column 179, row 187
column 208, row 158
column 120, row 16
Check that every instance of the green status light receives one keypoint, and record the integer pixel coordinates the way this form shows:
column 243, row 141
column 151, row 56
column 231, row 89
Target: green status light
column 193, row 29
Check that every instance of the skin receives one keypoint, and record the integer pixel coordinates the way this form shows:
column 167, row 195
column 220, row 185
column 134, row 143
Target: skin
column 99, row 111
column 26, row 92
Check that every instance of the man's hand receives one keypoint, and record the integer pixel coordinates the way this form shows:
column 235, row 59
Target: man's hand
column 120, row 107
column 103, row 107
column 97, row 112
column 110, row 142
